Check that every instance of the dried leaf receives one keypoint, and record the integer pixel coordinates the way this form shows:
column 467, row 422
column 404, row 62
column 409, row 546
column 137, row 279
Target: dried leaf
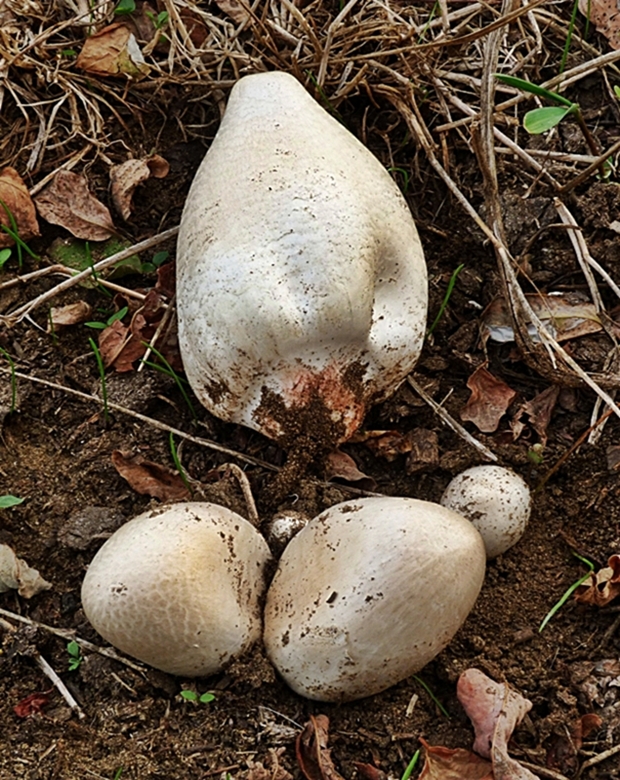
column 313, row 755
column 237, row 10
column 166, row 280
column 603, row 586
column 539, row 410
column 369, row 771
column 339, row 465
column 67, row 202
column 489, row 400
column 31, row 705
column 15, row 573
column 113, row 51
column 71, row 314
column 442, row 763
column 562, row 752
column 272, row 770
column 15, row 196
column 126, row 177
column 149, row 478
column 605, row 16
column 495, row 710
column 566, row 316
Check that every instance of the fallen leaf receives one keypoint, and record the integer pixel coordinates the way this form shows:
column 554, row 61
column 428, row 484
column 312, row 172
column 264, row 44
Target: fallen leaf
column 271, row 770
column 424, row 453
column 495, row 710
column 489, row 400
column 16, row 574
column 313, row 755
column 31, row 705
column 71, row 314
column 442, row 763
column 369, row 771
column 237, row 10
column 339, row 465
column 125, row 178
column 601, row 587
column 149, row 478
column 166, row 280
column 566, row 316
column 111, row 342
column 113, row 51
column 67, row 202
column 563, row 750
column 539, row 410
column 605, row 16
column 15, row 196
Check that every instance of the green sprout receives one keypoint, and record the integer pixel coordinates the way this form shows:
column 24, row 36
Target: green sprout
column 411, row 766
column 178, row 464
column 442, row 709
column 159, row 258
column 13, row 378
column 125, row 7
column 169, row 371
column 571, row 28
column 104, row 387
column 118, row 773
column 13, row 232
column 75, row 656
column 4, row 256
column 404, row 174
column 8, row 501
column 446, row 298
column 539, row 120
column 559, row 604
column 159, row 21
column 204, row 698
column 102, row 325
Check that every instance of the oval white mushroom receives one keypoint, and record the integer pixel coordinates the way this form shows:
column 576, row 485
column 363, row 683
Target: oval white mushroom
column 179, row 588
column 496, row 500
column 368, row 593
column 301, row 281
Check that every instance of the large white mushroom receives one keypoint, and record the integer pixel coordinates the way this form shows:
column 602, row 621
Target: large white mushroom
column 179, row 588
column 301, row 281
column 368, row 593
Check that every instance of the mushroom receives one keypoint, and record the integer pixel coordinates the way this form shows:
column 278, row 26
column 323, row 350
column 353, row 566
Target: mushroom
column 496, row 500
column 179, row 588
column 368, row 593
column 301, row 281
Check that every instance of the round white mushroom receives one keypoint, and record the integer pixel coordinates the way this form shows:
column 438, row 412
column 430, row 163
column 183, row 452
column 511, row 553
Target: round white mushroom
column 368, row 593
column 301, row 281
column 179, row 588
column 496, row 500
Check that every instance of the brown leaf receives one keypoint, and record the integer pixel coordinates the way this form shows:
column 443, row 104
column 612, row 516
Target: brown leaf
column 71, row 314
column 31, row 705
column 605, row 15
column 67, row 202
column 14, row 194
column 16, row 574
column 237, row 10
column 603, row 586
column 126, row 177
column 113, row 51
column 539, row 410
column 424, row 450
column 562, row 752
column 166, row 280
column 112, row 340
column 567, row 316
column 442, row 763
column 149, row 478
column 369, row 771
column 313, row 755
column 489, row 400
column 339, row 465
column 495, row 710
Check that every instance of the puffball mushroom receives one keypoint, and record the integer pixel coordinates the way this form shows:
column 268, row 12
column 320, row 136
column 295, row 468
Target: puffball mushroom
column 496, row 500
column 368, row 593
column 301, row 281
column 179, row 588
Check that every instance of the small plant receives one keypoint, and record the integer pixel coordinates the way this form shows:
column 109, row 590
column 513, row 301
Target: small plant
column 125, row 7
column 13, row 231
column 8, row 501
column 204, row 698
column 118, row 773
column 104, row 387
column 411, row 766
column 159, row 258
column 405, row 175
column 102, row 325
column 169, row 371
column 446, row 298
column 5, row 254
column 442, row 709
column 13, row 378
column 75, row 656
column 559, row 604
column 159, row 21
column 178, row 464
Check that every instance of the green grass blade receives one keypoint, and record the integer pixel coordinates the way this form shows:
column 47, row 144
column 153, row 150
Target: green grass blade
column 104, row 387
column 446, row 298
column 565, row 597
column 171, row 372
column 411, row 766
column 569, row 36
column 542, row 119
column 178, row 465
column 442, row 709
column 534, row 89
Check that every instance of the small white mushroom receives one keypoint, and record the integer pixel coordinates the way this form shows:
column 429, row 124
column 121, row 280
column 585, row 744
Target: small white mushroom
column 179, row 588
column 496, row 500
column 301, row 281
column 368, row 593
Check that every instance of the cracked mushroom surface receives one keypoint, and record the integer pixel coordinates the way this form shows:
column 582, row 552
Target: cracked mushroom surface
column 301, row 280
column 369, row 592
column 180, row 588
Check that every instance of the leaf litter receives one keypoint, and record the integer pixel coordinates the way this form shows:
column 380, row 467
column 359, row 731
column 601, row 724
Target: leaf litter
column 603, row 586
column 489, row 400
column 16, row 574
column 127, row 176
column 149, row 478
column 16, row 199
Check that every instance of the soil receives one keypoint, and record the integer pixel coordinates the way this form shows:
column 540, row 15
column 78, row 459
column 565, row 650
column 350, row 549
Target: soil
column 55, row 453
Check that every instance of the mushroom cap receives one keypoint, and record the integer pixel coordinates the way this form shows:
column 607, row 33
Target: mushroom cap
column 496, row 500
column 301, row 281
column 368, row 593
column 179, row 588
